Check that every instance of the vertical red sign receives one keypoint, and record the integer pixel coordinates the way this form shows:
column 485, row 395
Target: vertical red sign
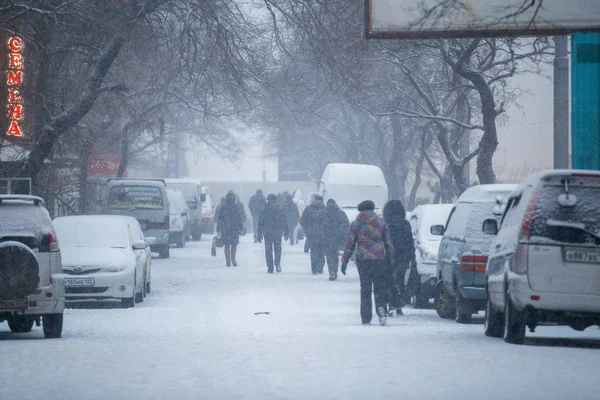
column 14, row 83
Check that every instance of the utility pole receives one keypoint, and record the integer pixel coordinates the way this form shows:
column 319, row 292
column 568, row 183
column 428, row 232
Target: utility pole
column 561, row 102
column 173, row 156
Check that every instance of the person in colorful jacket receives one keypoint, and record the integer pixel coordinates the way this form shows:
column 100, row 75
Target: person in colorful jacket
column 371, row 238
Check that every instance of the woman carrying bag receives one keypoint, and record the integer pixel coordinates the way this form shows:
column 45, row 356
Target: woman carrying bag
column 230, row 226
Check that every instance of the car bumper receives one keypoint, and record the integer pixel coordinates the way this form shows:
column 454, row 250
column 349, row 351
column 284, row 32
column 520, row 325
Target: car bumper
column 162, row 237
column 427, row 288
column 472, row 292
column 107, row 285
column 521, row 296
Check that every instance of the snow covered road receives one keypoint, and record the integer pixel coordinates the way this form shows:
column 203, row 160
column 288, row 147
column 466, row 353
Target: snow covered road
column 197, row 337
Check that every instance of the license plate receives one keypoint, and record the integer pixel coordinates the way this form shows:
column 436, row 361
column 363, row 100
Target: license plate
column 79, row 282
column 14, row 304
column 591, row 257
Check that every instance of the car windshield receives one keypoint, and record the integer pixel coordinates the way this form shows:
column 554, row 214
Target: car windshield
column 134, row 197
column 81, row 232
column 579, row 224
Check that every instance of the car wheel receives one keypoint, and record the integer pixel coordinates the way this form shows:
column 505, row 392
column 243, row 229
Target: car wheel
column 444, row 303
column 494, row 324
column 20, row 324
column 130, row 301
column 52, row 325
column 139, row 297
column 19, row 271
column 181, row 242
column 462, row 315
column 148, row 287
column 514, row 323
column 164, row 251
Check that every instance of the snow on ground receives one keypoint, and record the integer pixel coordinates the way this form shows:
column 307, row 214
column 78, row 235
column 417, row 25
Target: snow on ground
column 197, row 337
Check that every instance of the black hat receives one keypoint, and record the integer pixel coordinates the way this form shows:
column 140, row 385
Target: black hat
column 271, row 197
column 366, row 205
column 331, row 201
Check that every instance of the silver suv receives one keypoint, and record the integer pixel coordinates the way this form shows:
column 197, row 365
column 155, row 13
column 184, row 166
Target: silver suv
column 31, row 284
column 544, row 265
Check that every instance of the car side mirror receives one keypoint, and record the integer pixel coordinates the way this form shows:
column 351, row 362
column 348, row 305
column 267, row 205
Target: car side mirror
column 490, row 227
column 203, row 198
column 437, row 230
column 150, row 241
column 139, row 245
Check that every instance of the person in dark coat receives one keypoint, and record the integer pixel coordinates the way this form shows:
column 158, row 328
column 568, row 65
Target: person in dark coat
column 371, row 238
column 242, row 211
column 292, row 215
column 255, row 205
column 336, row 226
column 394, row 215
column 272, row 225
column 230, row 227
column 312, row 226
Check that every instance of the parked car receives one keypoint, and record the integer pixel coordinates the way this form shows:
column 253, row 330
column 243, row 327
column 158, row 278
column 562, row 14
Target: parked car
column 179, row 225
column 146, row 200
column 422, row 219
column 31, row 270
column 544, row 265
column 192, row 190
column 104, row 257
column 463, row 252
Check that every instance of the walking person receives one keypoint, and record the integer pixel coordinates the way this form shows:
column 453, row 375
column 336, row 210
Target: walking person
column 394, row 215
column 312, row 225
column 256, row 205
column 370, row 236
column 230, row 227
column 272, row 225
column 291, row 214
column 297, row 196
column 336, row 228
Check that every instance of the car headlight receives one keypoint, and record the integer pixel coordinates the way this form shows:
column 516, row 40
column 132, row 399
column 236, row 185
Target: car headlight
column 113, row 268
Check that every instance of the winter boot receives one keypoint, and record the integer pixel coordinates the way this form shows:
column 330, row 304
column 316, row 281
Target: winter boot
column 332, row 276
column 278, row 268
column 382, row 316
column 227, row 250
column 233, row 253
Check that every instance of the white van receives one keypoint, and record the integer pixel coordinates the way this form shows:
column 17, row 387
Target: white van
column 179, row 222
column 350, row 184
column 146, row 200
column 192, row 190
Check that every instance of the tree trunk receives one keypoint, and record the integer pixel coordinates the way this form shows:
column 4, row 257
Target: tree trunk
column 447, row 186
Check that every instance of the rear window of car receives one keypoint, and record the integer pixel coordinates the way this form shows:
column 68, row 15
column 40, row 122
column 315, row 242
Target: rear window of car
column 135, row 197
column 19, row 218
column 585, row 212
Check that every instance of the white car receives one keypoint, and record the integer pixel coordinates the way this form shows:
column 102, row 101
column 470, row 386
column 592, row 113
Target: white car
column 30, row 267
column 104, row 257
column 544, row 263
column 179, row 223
column 426, row 247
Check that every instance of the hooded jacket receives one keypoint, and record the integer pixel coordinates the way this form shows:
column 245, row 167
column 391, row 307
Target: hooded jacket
column 371, row 238
column 336, row 226
column 272, row 222
column 402, row 240
column 311, row 220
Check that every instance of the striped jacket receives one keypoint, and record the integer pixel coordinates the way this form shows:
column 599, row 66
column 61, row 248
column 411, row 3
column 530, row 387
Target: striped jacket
column 371, row 238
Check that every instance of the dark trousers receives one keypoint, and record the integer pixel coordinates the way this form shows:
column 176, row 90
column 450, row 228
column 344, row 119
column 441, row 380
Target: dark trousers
column 291, row 230
column 317, row 256
column 396, row 285
column 332, row 255
column 374, row 276
column 272, row 243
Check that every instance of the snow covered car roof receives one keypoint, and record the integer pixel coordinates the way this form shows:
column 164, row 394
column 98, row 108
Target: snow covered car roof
column 22, row 198
column 486, row 193
column 541, row 175
column 137, row 182
column 353, row 174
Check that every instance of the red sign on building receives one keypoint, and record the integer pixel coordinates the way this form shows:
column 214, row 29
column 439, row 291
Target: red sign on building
column 104, row 165
column 14, row 83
